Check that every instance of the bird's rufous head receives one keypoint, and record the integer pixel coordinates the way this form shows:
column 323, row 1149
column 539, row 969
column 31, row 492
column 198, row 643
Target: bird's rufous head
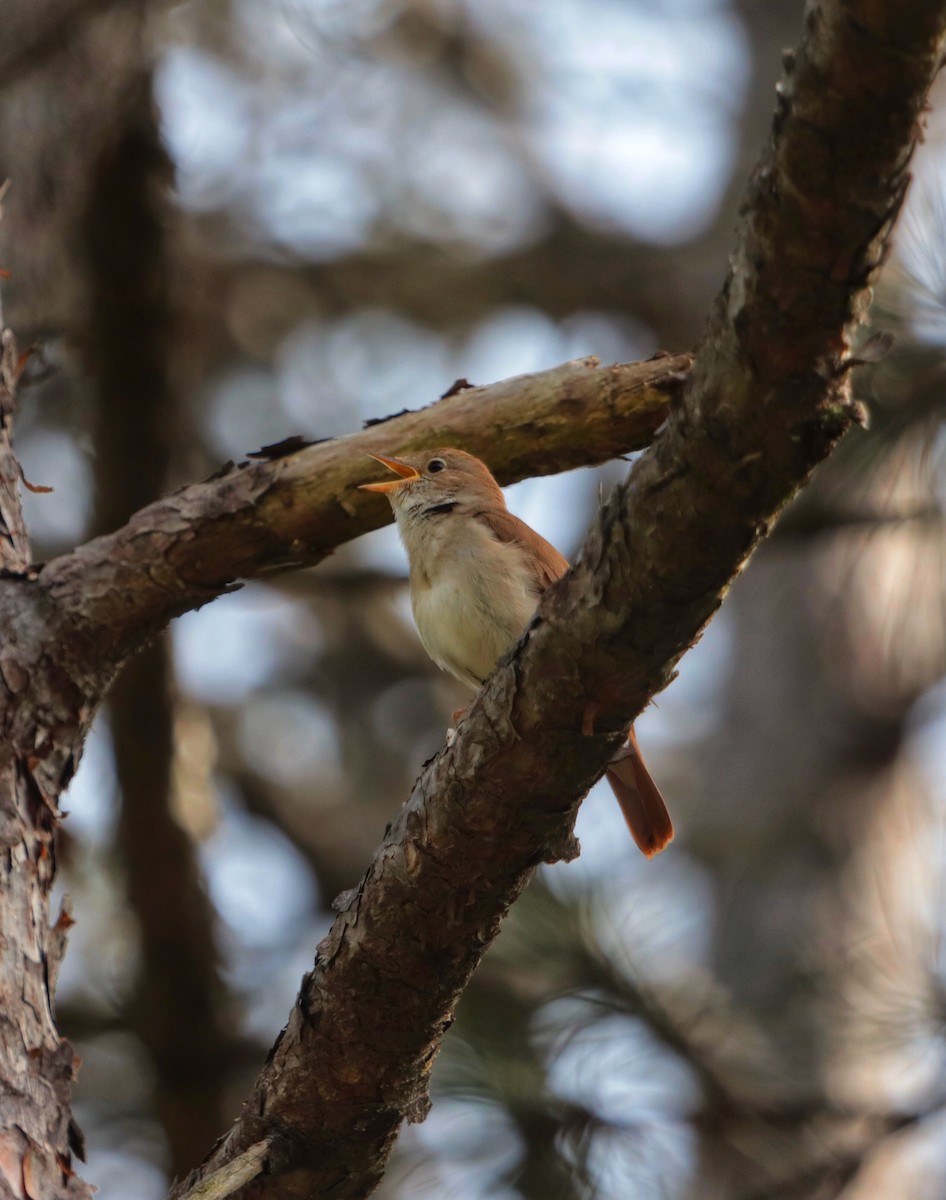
column 436, row 477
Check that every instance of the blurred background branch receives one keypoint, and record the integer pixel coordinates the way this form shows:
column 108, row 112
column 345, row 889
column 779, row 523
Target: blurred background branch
column 36, row 33
column 178, row 1006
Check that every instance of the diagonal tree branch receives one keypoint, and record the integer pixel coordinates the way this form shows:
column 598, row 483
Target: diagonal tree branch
column 66, row 637
column 768, row 399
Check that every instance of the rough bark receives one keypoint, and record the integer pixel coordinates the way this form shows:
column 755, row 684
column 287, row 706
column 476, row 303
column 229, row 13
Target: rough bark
column 36, row 1065
column 65, row 638
column 768, row 399
column 14, row 540
column 293, row 510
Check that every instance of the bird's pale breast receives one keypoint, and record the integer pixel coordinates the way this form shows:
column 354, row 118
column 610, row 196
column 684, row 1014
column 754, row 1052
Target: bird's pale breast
column 472, row 597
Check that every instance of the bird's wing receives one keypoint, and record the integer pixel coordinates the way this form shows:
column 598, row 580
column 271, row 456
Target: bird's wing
column 547, row 564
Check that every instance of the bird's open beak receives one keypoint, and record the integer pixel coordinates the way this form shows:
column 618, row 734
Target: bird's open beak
column 406, row 473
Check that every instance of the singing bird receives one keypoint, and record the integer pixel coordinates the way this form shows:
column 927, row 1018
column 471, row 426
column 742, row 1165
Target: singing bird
column 476, row 575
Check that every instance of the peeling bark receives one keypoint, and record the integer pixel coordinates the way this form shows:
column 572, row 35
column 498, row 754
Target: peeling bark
column 36, row 1065
column 14, row 540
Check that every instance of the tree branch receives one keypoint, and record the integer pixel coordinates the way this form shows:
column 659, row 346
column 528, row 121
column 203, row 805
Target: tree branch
column 189, row 547
column 768, row 399
column 233, row 1176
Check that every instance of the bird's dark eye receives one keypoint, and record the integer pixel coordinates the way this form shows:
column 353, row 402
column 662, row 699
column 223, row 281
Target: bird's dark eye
column 435, row 464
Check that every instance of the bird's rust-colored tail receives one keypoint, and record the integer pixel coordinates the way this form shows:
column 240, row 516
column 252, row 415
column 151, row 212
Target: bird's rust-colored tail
column 640, row 800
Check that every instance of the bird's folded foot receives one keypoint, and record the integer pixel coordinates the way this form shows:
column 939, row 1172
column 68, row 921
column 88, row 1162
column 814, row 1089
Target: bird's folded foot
column 624, row 752
column 456, row 718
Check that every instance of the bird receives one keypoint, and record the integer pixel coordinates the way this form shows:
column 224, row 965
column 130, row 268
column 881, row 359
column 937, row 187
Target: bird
column 476, row 575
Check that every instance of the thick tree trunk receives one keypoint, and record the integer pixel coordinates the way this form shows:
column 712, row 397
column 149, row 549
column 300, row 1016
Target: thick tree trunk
column 37, row 1066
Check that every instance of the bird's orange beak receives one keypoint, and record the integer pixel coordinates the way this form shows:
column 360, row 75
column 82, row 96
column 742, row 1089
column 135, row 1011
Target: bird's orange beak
column 406, row 473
